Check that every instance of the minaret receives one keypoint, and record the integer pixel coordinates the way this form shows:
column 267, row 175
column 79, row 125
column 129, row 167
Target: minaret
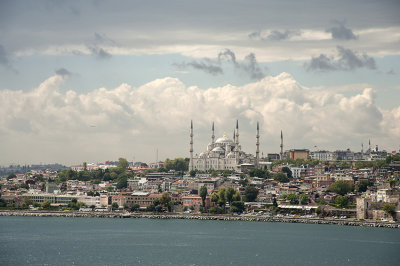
column 281, row 145
column 213, row 135
column 369, row 145
column 257, row 146
column 237, row 143
column 191, row 146
column 362, row 148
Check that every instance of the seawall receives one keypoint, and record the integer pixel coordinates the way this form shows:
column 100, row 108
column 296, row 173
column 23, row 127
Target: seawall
column 274, row 219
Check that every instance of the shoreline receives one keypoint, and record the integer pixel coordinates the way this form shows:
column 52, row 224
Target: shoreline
column 343, row 222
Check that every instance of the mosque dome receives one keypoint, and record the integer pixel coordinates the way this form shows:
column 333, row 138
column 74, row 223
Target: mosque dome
column 224, row 140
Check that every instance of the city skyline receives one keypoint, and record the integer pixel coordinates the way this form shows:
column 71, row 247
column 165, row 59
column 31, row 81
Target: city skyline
column 96, row 81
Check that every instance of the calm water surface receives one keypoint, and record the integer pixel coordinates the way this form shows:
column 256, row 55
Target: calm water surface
column 92, row 241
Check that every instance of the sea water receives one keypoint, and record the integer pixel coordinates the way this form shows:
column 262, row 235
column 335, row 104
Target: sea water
column 107, row 241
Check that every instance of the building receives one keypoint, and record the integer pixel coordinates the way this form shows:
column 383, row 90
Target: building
column 322, row 155
column 223, row 153
column 295, row 154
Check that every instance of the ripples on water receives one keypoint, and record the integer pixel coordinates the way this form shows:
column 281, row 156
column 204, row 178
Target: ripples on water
column 91, row 241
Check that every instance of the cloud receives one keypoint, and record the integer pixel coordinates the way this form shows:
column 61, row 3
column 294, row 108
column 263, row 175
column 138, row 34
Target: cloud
column 62, row 72
column 215, row 66
column 102, row 38
column 206, row 65
column 345, row 60
column 97, row 49
column 340, row 32
column 391, row 72
column 251, row 66
column 274, row 35
column 134, row 121
column 99, row 52
column 3, row 56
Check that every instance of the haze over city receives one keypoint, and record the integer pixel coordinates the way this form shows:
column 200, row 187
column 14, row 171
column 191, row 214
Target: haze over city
column 99, row 80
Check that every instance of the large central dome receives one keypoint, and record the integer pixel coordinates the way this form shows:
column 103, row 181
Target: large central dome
column 224, row 140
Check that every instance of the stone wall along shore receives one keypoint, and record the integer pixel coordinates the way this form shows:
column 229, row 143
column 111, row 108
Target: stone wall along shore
column 202, row 217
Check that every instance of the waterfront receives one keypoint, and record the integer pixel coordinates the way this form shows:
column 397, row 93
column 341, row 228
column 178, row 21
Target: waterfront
column 80, row 241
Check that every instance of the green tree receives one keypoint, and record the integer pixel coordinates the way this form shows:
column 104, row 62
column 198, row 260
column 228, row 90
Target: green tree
column 281, row 177
column 114, row 206
column 250, row 193
column 192, row 173
column 259, row 173
column 84, row 166
column 135, row 207
column 165, row 200
column 287, row 171
column 236, row 196
column 342, row 201
column 46, row 204
column 237, row 206
column 244, row 182
column 214, row 197
column 123, row 164
column 389, row 209
column 11, row 176
column 122, row 182
column 362, row 185
column 28, row 201
column 229, row 192
column 203, row 195
column 221, row 197
column 341, row 187
column 293, row 198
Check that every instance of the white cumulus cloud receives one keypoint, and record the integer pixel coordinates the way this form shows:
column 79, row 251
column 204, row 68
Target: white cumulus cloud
column 46, row 125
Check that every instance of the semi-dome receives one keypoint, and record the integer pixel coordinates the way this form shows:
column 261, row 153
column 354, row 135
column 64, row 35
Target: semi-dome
column 218, row 149
column 231, row 155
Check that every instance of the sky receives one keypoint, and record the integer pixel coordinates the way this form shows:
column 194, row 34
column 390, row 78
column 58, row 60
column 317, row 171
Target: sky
column 91, row 81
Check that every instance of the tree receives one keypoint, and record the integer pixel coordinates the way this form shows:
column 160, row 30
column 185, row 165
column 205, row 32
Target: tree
column 287, row 171
column 236, row 196
column 341, row 187
column 135, row 207
column 293, row 198
column 192, row 173
column 251, row 193
column 114, row 206
column 46, row 204
column 229, row 192
column 244, row 182
column 84, row 166
column 342, row 201
column 177, row 164
column 28, row 201
column 221, row 197
column 123, row 164
column 389, row 209
column 11, row 176
column 237, row 206
column 214, row 197
column 122, row 182
column 362, row 185
column 203, row 195
column 259, row 173
column 281, row 177
column 165, row 200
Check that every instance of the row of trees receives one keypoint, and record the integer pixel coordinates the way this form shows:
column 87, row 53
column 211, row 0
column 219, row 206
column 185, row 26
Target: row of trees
column 119, row 174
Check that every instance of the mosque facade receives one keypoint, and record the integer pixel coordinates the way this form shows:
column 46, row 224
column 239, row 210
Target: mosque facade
column 223, row 153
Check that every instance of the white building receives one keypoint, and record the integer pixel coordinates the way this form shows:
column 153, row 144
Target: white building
column 223, row 153
column 322, row 155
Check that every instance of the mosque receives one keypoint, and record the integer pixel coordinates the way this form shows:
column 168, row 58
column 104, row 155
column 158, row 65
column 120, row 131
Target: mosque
column 223, row 153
